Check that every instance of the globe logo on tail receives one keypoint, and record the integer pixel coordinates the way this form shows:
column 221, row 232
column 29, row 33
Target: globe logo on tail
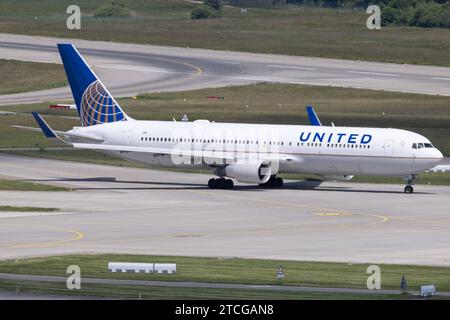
column 97, row 106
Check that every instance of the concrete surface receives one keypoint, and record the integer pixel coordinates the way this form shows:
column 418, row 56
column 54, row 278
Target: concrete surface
column 129, row 69
column 128, row 210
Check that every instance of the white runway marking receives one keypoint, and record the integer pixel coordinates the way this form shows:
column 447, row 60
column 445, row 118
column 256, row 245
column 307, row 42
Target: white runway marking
column 438, row 78
column 291, row 67
column 228, row 62
column 375, row 73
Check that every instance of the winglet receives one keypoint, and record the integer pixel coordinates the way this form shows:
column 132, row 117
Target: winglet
column 313, row 118
column 48, row 132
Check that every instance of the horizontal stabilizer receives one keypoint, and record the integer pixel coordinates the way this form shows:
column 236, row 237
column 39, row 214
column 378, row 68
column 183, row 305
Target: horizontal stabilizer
column 48, row 132
column 66, row 137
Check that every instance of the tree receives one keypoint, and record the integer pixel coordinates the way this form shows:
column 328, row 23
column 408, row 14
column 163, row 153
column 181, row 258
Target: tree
column 214, row 4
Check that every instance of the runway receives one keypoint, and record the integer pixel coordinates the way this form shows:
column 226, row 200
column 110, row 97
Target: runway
column 128, row 210
column 130, row 69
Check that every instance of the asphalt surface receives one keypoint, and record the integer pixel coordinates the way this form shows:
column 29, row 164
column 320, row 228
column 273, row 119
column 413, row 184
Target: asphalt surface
column 129, row 210
column 129, row 69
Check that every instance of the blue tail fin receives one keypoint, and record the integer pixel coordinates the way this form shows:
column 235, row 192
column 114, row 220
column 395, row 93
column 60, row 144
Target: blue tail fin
column 313, row 118
column 95, row 104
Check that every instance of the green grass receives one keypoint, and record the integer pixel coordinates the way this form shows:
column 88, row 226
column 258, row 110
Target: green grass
column 170, row 293
column 297, row 31
column 29, row 76
column 27, row 209
column 15, row 185
column 236, row 270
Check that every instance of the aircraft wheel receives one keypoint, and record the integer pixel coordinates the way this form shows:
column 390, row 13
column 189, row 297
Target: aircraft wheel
column 212, row 183
column 229, row 184
column 272, row 183
column 220, row 183
column 409, row 189
column 278, row 182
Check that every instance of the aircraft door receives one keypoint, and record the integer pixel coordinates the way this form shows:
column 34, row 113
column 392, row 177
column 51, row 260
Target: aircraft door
column 127, row 137
column 388, row 148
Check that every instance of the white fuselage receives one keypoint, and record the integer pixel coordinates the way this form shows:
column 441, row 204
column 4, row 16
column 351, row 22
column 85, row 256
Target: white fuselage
column 303, row 149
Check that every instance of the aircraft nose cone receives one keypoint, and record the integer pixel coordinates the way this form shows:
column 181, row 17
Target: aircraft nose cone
column 439, row 155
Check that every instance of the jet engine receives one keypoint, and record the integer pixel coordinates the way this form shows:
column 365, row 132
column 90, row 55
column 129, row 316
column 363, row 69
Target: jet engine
column 246, row 172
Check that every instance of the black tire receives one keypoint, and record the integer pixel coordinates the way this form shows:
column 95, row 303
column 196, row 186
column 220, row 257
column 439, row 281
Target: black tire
column 229, row 184
column 409, row 189
column 278, row 182
column 212, row 183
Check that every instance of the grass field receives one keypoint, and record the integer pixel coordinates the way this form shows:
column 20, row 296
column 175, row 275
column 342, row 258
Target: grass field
column 168, row 293
column 29, row 76
column 15, row 185
column 297, row 31
column 26, row 209
column 235, row 270
column 260, row 103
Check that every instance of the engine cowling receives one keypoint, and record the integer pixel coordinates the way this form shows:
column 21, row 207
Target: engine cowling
column 338, row 178
column 246, row 172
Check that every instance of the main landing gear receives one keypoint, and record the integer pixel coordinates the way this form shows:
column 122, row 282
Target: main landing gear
column 273, row 182
column 220, row 183
column 409, row 182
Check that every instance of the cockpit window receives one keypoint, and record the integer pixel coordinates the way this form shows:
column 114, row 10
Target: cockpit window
column 422, row 145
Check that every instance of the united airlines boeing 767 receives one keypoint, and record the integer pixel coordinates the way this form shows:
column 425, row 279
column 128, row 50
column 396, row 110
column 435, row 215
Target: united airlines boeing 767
column 251, row 153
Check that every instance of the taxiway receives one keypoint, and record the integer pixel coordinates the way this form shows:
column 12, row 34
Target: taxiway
column 129, row 210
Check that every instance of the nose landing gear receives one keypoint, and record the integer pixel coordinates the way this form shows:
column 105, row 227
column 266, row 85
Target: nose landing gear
column 409, row 182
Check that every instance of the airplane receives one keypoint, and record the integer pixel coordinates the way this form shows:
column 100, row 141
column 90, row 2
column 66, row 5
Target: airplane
column 249, row 153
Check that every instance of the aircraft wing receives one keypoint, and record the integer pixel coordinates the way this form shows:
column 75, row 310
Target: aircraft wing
column 210, row 157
